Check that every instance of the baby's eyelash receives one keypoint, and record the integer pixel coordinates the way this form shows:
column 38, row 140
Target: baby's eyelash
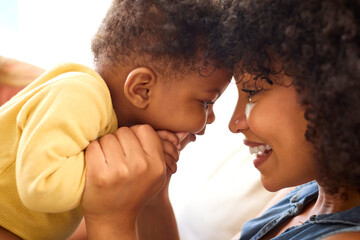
column 207, row 104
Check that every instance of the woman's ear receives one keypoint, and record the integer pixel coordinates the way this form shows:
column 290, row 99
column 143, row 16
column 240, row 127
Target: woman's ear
column 138, row 86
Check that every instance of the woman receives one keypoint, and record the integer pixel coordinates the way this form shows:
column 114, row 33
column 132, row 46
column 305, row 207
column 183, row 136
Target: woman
column 299, row 109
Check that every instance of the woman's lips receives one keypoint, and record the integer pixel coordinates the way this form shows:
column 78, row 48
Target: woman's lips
column 261, row 158
column 262, row 151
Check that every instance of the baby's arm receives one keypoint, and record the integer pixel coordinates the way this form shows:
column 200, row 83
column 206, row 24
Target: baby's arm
column 124, row 170
column 56, row 124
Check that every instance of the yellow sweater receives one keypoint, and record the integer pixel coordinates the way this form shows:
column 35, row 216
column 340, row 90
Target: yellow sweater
column 43, row 132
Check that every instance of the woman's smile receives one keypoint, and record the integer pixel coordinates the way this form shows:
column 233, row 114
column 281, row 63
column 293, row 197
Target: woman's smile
column 262, row 151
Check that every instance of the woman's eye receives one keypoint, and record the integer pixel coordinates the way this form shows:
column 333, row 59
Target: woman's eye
column 250, row 92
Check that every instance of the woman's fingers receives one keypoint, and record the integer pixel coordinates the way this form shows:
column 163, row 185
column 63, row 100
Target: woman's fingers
column 112, row 149
column 128, row 141
column 125, row 170
column 148, row 139
column 95, row 159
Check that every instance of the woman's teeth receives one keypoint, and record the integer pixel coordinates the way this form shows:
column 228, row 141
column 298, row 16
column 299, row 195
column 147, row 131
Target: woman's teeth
column 259, row 150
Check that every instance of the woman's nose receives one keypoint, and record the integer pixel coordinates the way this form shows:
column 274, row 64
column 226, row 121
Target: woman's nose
column 238, row 122
column 237, row 125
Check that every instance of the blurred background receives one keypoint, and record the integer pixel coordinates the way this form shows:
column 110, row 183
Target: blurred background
column 210, row 170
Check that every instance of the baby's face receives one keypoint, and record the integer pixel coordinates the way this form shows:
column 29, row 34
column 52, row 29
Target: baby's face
column 186, row 104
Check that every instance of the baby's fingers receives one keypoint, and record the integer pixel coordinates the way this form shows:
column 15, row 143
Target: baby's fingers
column 185, row 140
column 169, row 136
column 171, row 156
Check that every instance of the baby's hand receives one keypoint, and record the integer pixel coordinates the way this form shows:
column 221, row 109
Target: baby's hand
column 173, row 143
column 124, row 170
column 171, row 150
column 184, row 139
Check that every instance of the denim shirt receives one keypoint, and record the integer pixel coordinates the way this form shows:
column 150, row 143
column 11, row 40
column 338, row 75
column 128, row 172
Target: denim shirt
column 316, row 227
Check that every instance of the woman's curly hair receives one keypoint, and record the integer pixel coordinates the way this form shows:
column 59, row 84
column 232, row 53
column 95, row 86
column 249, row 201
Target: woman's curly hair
column 169, row 33
column 317, row 43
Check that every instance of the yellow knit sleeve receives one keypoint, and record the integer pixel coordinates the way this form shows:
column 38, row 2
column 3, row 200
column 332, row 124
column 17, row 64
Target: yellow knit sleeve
column 57, row 124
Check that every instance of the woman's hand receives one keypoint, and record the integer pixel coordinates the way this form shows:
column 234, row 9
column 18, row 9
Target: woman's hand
column 124, row 170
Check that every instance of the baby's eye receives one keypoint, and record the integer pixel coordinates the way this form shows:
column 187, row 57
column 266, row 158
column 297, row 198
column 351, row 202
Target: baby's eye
column 207, row 104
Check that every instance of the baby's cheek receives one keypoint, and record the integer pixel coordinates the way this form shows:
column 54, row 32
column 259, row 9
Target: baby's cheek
column 201, row 122
column 193, row 121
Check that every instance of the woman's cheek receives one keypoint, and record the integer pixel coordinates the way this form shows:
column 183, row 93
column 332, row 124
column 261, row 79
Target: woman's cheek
column 248, row 109
column 258, row 119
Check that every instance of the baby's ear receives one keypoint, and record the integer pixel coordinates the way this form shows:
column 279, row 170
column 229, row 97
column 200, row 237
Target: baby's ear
column 138, row 86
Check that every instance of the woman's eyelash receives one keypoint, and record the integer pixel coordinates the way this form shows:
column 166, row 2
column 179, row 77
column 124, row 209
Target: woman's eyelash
column 250, row 92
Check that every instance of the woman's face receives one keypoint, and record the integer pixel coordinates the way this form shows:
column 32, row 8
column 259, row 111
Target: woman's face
column 274, row 127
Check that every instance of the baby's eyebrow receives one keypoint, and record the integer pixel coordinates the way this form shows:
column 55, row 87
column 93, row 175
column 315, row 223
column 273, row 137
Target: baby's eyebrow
column 217, row 91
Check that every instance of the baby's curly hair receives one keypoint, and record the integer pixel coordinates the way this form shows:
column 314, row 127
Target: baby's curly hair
column 317, row 43
column 170, row 34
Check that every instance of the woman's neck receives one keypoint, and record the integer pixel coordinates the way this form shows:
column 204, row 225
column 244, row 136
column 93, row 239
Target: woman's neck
column 345, row 199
